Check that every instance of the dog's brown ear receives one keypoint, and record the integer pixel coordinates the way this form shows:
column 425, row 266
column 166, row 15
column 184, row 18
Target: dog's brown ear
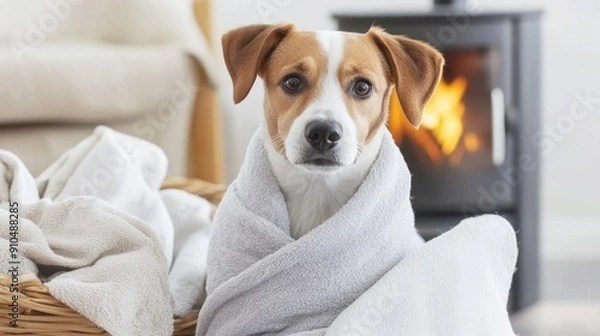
column 245, row 50
column 416, row 69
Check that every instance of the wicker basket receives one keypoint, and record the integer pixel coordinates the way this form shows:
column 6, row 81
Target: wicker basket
column 43, row 315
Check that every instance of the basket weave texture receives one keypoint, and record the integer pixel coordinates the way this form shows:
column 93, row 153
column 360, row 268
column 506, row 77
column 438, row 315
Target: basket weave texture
column 40, row 314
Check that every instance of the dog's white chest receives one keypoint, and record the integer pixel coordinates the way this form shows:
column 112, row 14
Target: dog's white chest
column 311, row 200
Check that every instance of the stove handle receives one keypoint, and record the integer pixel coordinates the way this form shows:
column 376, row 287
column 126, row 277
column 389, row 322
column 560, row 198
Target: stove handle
column 498, row 127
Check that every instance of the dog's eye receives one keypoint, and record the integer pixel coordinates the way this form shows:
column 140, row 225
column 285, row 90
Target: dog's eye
column 292, row 84
column 362, row 88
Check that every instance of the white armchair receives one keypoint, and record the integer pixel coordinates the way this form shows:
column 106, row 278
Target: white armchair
column 67, row 66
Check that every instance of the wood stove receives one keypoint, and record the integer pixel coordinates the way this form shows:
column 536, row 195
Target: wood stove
column 474, row 152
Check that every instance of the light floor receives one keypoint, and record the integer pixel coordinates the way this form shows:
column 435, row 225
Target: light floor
column 559, row 318
column 570, row 303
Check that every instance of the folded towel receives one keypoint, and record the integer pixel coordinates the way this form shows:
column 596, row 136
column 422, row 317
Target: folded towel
column 455, row 285
column 104, row 263
column 125, row 171
column 187, row 278
column 262, row 281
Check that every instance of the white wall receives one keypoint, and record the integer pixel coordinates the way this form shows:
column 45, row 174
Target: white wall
column 570, row 65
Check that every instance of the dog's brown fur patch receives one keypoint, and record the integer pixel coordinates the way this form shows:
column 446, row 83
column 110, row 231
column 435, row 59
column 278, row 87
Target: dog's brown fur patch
column 362, row 59
column 415, row 69
column 298, row 53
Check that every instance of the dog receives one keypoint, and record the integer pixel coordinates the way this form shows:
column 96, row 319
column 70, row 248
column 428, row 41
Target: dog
column 326, row 105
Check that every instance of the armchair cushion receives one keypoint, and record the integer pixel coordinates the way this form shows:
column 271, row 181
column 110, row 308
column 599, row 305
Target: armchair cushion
column 94, row 83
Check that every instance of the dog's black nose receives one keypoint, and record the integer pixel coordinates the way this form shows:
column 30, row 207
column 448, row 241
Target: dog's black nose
column 323, row 135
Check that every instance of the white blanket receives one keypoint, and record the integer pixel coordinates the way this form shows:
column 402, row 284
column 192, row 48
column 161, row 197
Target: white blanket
column 110, row 266
column 123, row 170
column 263, row 282
column 455, row 285
column 105, row 234
column 187, row 278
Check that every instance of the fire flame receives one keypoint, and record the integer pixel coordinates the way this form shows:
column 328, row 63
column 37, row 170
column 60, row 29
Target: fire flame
column 442, row 124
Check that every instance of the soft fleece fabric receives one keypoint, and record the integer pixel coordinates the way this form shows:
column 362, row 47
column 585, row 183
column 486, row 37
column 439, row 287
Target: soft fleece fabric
column 103, row 233
column 263, row 282
column 105, row 263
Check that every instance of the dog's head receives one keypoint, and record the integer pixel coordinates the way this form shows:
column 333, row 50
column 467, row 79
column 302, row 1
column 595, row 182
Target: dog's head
column 327, row 93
